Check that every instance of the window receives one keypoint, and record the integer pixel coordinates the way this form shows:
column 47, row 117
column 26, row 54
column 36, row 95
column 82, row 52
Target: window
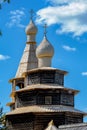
column 67, row 99
column 48, row 100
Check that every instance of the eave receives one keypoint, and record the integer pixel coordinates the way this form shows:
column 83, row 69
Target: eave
column 44, row 69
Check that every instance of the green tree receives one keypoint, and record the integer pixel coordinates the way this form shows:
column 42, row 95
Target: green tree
column 0, row 8
column 7, row 1
column 2, row 120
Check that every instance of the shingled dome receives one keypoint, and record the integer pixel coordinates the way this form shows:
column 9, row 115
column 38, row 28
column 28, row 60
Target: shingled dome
column 44, row 53
column 45, row 49
column 31, row 28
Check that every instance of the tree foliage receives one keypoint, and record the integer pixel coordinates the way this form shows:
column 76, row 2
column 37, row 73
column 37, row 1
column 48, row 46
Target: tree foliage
column 2, row 120
column 1, row 7
column 7, row 1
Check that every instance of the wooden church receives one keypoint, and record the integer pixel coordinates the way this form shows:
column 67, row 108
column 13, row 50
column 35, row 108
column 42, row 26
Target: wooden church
column 38, row 92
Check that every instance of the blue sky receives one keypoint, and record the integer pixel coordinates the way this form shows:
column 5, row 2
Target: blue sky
column 67, row 32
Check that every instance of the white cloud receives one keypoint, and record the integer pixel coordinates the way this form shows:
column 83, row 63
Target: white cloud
column 16, row 17
column 72, row 16
column 4, row 57
column 57, row 2
column 84, row 73
column 68, row 48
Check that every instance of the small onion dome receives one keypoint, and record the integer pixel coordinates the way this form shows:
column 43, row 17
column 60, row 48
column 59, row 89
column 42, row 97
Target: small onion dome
column 31, row 28
column 45, row 49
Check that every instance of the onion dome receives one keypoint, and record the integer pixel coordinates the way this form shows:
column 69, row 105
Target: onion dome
column 45, row 49
column 44, row 53
column 31, row 28
column 31, row 31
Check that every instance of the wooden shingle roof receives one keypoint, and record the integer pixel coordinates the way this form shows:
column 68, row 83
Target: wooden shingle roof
column 44, row 87
column 45, row 108
column 81, row 126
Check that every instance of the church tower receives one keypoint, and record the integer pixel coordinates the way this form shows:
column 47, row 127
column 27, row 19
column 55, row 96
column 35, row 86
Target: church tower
column 29, row 60
column 41, row 96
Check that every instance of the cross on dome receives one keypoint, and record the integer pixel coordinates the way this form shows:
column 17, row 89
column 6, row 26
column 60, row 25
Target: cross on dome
column 31, row 28
column 45, row 29
column 44, row 51
column 31, row 13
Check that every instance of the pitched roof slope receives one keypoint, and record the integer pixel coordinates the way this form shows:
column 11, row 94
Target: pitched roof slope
column 81, row 126
column 28, row 60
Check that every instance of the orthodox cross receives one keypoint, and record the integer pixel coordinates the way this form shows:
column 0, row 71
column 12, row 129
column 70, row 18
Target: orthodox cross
column 45, row 29
column 31, row 13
